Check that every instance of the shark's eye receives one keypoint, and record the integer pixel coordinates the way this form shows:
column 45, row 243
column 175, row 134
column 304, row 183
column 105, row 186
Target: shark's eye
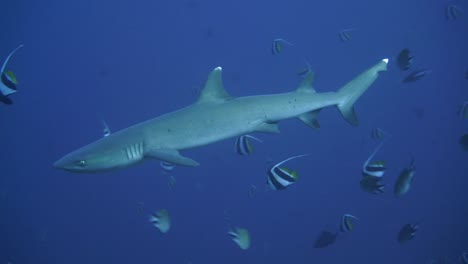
column 81, row 163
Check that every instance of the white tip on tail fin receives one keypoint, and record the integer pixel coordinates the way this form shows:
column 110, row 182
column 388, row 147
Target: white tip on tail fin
column 351, row 92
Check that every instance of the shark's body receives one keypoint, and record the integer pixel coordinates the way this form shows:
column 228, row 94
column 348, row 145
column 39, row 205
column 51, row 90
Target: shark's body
column 214, row 117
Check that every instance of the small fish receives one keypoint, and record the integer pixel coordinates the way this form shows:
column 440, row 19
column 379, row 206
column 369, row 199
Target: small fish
column 278, row 44
column 403, row 183
column 252, row 190
column 161, row 220
column 167, row 166
column 464, row 142
column 345, row 35
column 464, row 110
column 240, row 236
column 407, row 233
column 105, row 130
column 325, row 239
column 452, row 12
column 372, row 185
column 346, row 223
column 171, row 182
column 279, row 177
column 244, row 145
column 8, row 81
column 404, row 59
column 416, row 75
column 141, row 207
column 376, row 168
column 377, row 133
column 464, row 258
column 304, row 71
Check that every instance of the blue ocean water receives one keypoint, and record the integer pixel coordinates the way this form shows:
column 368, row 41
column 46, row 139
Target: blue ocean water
column 126, row 62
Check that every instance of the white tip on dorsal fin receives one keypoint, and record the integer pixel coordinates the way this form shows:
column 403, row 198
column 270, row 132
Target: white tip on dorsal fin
column 307, row 84
column 214, row 90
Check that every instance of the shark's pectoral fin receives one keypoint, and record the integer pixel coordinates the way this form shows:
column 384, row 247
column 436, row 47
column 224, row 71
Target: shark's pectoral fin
column 171, row 155
column 310, row 118
column 268, row 128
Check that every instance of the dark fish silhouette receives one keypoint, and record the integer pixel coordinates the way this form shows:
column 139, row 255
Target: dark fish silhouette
column 464, row 142
column 325, row 239
column 452, row 12
column 407, row 233
column 372, row 185
column 416, row 75
column 404, row 59
column 404, row 181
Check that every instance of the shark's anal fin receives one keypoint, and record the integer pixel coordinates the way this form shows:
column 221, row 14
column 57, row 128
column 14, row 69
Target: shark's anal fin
column 268, row 128
column 310, row 118
column 171, row 155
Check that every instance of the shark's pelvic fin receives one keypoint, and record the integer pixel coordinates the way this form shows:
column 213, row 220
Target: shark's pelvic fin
column 213, row 91
column 351, row 92
column 310, row 118
column 268, row 128
column 173, row 156
column 307, row 84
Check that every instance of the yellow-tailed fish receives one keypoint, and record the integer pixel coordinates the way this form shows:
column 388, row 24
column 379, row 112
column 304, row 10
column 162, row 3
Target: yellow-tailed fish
column 8, row 81
column 161, row 220
column 346, row 223
column 404, row 181
column 277, row 45
column 240, row 236
column 280, row 177
column 407, row 233
column 244, row 146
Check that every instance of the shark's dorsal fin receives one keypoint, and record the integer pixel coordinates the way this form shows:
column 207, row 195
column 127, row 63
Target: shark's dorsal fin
column 213, row 91
column 307, row 84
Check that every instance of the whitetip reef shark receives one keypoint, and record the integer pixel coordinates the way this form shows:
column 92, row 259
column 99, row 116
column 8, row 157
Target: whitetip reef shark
column 215, row 116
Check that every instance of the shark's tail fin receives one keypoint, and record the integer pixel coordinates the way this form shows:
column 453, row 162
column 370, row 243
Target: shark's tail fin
column 351, row 92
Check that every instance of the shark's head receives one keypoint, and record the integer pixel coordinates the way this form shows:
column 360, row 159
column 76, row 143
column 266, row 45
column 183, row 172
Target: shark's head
column 100, row 156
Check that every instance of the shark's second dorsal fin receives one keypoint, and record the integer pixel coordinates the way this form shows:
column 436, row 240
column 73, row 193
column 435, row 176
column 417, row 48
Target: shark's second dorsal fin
column 307, row 84
column 213, row 91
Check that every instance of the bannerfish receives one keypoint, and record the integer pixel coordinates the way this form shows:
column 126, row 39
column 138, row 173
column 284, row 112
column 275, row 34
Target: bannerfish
column 464, row 142
column 404, row 181
column 240, row 236
column 105, row 129
column 372, row 185
column 464, row 258
column 244, row 146
column 346, row 223
column 404, row 59
column 407, row 233
column 306, row 70
column 161, row 220
column 376, row 168
column 416, row 75
column 345, row 35
column 464, row 110
column 252, row 190
column 280, row 177
column 8, row 81
column 452, row 12
column 171, row 182
column 325, row 239
column 278, row 44
column 166, row 166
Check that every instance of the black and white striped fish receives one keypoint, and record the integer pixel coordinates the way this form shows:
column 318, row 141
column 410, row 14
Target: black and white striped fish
column 345, row 35
column 376, row 168
column 244, row 146
column 452, row 12
column 277, row 45
column 346, row 224
column 167, row 166
column 279, row 178
column 8, row 81
column 105, row 129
